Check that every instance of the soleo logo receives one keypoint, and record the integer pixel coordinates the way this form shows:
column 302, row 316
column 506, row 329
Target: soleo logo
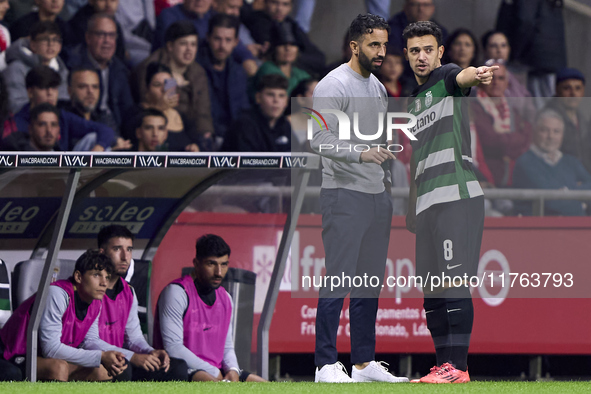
column 394, row 121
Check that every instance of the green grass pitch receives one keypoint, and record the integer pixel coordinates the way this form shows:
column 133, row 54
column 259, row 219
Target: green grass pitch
column 293, row 387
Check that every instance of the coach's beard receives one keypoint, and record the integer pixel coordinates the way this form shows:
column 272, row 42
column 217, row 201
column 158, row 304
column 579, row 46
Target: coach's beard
column 367, row 64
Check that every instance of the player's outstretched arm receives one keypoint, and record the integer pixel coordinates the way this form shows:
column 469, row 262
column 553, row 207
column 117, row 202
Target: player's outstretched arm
column 472, row 76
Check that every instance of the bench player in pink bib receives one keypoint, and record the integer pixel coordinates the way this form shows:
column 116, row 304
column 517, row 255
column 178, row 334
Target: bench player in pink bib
column 72, row 309
column 193, row 317
column 119, row 323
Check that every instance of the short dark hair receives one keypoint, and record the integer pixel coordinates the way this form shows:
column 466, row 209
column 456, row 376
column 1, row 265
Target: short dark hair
column 152, row 112
column 113, row 231
column 41, row 109
column 45, row 27
column 81, row 69
column 422, row 28
column 95, row 17
column 272, row 81
column 93, row 260
column 209, row 245
column 486, row 36
column 180, row 29
column 301, row 88
column 155, row 68
column 42, row 77
column 454, row 36
column 366, row 24
column 224, row 20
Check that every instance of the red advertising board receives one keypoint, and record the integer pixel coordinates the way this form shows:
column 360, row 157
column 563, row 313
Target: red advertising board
column 543, row 314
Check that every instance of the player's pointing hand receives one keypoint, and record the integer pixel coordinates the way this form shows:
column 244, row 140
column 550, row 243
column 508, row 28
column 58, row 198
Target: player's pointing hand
column 484, row 74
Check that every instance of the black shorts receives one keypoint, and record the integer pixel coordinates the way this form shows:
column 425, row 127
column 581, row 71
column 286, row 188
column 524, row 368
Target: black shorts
column 449, row 236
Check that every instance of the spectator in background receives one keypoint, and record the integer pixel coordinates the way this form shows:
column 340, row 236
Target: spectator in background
column 75, row 133
column 84, row 88
column 48, row 11
column 79, row 23
column 7, row 123
column 152, row 134
column 70, row 8
column 137, row 20
column 226, row 78
column 570, row 90
column 301, row 97
column 4, row 34
column 191, row 80
column 413, row 11
column 98, row 52
column 284, row 55
column 461, row 49
column 535, row 29
column 544, row 166
column 502, row 130
column 265, row 127
column 262, row 25
column 161, row 5
column 163, row 98
column 390, row 75
column 345, row 54
column 233, row 7
column 43, row 47
column 43, row 134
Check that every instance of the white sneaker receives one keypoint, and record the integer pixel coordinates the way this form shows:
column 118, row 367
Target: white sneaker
column 333, row 373
column 375, row 372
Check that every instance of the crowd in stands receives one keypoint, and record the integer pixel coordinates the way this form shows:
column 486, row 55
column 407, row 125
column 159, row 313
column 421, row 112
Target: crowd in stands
column 217, row 75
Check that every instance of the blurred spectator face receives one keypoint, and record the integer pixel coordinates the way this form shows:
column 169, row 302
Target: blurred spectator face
column 183, row 50
column 286, row 54
column 50, row 7
column 222, row 42
column 419, row 10
column 272, row 102
column 4, row 6
column 423, row 54
column 47, row 46
column 199, row 7
column 462, row 50
column 497, row 47
column 310, row 89
column 85, row 90
column 152, row 133
column 228, row 7
column 573, row 90
column 392, row 68
column 278, row 10
column 548, row 134
column 102, row 40
column 45, row 131
column 499, row 83
column 156, row 90
column 106, row 6
column 42, row 95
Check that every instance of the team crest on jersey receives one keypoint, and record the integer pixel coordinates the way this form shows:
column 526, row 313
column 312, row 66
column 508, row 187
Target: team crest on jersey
column 417, row 105
column 428, row 99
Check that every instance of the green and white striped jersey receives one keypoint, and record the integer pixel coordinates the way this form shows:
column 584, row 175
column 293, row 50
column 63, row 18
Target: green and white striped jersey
column 442, row 152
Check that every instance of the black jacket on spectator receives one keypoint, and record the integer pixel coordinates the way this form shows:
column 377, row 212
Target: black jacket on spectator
column 120, row 99
column 79, row 23
column 535, row 29
column 97, row 115
column 19, row 141
column 226, row 105
column 310, row 58
column 252, row 133
column 22, row 28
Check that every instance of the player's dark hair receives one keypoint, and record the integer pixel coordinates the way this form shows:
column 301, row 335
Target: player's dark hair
column 93, row 260
column 152, row 112
column 41, row 109
column 272, row 81
column 420, row 29
column 45, row 27
column 155, row 68
column 211, row 245
column 224, row 20
column 180, row 29
column 113, row 231
column 366, row 24
column 42, row 77
column 454, row 36
column 80, row 69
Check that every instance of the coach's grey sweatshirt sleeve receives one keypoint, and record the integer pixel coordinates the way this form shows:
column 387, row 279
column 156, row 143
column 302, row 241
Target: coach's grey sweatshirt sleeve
column 330, row 94
column 172, row 305
column 134, row 338
column 230, row 361
column 93, row 341
column 50, row 330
